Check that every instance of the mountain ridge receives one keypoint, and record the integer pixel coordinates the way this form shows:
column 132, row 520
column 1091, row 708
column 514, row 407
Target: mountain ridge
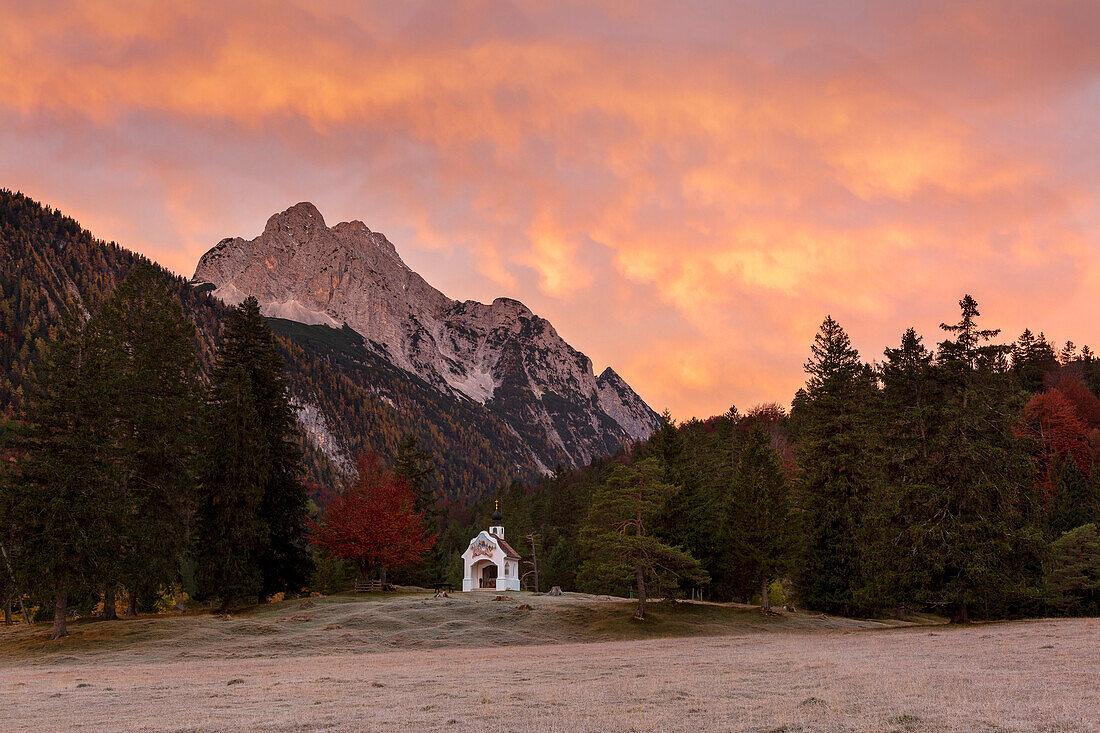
column 500, row 355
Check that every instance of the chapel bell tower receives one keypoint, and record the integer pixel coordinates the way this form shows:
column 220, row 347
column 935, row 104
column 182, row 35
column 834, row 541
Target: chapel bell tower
column 497, row 527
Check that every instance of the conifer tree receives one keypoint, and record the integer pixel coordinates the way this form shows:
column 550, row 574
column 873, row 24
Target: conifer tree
column 416, row 466
column 972, row 531
column 155, row 409
column 907, row 423
column 837, row 470
column 617, row 535
column 758, row 518
column 1073, row 570
column 1072, row 504
column 231, row 537
column 249, row 392
column 63, row 500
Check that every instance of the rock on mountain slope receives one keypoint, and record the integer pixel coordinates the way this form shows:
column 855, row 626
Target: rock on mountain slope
column 499, row 355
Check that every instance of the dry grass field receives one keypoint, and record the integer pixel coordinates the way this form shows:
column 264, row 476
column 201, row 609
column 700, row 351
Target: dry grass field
column 577, row 663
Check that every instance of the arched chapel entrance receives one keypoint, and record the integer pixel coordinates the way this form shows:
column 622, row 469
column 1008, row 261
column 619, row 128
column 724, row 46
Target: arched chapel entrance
column 488, row 576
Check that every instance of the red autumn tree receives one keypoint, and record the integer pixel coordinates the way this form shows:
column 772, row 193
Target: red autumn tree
column 1084, row 402
column 374, row 522
column 1053, row 421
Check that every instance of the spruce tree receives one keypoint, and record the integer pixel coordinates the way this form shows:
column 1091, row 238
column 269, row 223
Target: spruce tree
column 230, row 536
column 972, row 531
column 63, row 500
column 1072, row 504
column 837, row 471
column 260, row 408
column 906, row 421
column 758, row 518
column 417, row 466
column 155, row 410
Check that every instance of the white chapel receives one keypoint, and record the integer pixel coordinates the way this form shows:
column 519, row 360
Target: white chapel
column 490, row 563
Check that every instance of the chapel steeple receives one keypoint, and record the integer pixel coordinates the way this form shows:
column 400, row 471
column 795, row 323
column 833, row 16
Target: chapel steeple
column 496, row 528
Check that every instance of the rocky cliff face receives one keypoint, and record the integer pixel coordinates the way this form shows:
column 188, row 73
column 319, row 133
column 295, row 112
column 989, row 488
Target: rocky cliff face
column 499, row 355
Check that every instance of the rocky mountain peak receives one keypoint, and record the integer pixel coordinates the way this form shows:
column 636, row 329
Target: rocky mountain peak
column 500, row 355
column 301, row 218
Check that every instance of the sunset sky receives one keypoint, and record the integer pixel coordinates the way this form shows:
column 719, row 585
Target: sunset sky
column 684, row 189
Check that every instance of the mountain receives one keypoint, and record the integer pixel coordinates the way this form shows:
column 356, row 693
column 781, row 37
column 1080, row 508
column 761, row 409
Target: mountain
column 352, row 399
column 500, row 358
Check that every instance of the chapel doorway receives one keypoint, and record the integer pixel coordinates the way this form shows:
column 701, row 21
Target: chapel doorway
column 488, row 576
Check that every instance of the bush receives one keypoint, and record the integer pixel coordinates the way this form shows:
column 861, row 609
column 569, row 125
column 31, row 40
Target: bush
column 333, row 575
column 1073, row 570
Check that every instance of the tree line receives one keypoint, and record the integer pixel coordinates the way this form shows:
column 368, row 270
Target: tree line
column 128, row 473
column 961, row 480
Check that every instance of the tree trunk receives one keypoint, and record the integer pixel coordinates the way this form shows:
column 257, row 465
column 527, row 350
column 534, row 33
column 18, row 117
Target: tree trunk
column 61, row 608
column 382, row 576
column 131, row 604
column 7, row 610
column 109, row 613
column 639, row 572
column 765, row 604
column 959, row 615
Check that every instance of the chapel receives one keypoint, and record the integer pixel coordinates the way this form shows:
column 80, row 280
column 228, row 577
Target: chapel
column 490, row 563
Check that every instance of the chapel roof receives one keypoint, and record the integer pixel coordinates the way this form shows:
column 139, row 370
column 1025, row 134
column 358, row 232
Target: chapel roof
column 506, row 548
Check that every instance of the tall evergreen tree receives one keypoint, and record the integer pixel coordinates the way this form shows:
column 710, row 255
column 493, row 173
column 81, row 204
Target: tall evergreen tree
column 837, row 470
column 230, row 536
column 758, row 517
column 247, row 352
column 906, row 421
column 972, row 529
column 63, row 500
column 417, row 466
column 1072, row 504
column 155, row 408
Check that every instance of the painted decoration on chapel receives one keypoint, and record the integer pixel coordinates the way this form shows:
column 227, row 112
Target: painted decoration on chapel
column 482, row 547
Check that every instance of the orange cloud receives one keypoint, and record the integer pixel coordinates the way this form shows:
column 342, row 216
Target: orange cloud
column 684, row 190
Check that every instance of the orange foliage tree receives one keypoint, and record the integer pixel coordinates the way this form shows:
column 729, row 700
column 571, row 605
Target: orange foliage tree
column 1052, row 419
column 374, row 522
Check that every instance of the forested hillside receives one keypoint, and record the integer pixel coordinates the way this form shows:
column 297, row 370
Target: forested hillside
column 51, row 268
column 373, row 406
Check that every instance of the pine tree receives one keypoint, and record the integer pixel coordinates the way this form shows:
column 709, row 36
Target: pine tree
column 758, row 518
column 972, row 530
column 231, row 537
column 837, row 470
column 155, row 409
column 620, row 548
column 62, row 499
column 257, row 405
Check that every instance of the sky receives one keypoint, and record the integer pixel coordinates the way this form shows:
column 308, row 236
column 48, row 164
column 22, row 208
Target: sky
column 684, row 189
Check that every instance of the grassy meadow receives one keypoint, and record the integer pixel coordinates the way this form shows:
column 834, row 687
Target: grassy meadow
column 536, row 663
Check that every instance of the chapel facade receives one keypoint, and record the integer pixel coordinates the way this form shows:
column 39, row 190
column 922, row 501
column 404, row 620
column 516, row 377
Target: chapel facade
column 490, row 563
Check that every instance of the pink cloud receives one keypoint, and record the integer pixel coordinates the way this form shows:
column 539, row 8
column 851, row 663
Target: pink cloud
column 684, row 193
